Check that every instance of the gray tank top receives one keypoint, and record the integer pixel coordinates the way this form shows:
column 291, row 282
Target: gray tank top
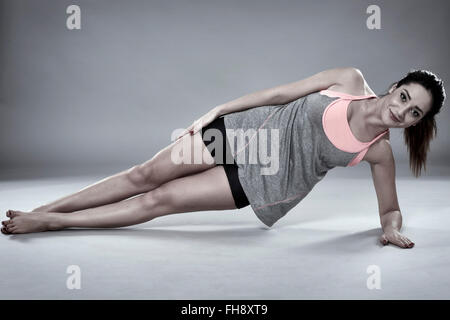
column 305, row 152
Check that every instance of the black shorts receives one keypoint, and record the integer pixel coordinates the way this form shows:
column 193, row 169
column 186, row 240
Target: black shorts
column 228, row 163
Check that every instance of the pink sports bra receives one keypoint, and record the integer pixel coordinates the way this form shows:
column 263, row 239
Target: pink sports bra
column 337, row 128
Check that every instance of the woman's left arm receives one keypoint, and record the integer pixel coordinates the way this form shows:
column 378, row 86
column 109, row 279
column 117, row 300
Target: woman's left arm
column 383, row 174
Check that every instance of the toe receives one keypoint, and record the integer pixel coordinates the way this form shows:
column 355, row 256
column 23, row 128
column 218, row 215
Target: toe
column 13, row 213
column 4, row 231
column 14, row 230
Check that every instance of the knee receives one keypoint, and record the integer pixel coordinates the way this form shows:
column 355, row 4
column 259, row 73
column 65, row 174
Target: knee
column 157, row 198
column 140, row 175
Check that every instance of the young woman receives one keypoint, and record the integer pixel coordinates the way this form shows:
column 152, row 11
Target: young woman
column 330, row 119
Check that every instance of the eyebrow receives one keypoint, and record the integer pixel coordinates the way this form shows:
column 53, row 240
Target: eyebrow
column 409, row 97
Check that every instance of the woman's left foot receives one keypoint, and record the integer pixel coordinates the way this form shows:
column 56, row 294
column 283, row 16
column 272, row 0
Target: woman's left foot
column 22, row 222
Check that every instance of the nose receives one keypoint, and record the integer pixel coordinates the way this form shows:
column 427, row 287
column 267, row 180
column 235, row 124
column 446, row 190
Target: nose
column 402, row 112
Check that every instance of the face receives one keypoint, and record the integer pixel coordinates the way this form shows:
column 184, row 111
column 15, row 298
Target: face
column 409, row 103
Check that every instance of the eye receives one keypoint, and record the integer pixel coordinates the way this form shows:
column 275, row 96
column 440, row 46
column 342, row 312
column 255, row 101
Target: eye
column 415, row 113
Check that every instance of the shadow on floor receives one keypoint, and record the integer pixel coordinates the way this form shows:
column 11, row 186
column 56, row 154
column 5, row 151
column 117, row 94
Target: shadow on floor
column 219, row 234
column 354, row 242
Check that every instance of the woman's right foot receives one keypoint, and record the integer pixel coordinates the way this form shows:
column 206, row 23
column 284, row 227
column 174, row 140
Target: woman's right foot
column 22, row 222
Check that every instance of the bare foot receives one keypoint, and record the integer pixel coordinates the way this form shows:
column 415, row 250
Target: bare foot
column 22, row 222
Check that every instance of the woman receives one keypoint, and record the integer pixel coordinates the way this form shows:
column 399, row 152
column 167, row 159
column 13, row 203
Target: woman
column 330, row 119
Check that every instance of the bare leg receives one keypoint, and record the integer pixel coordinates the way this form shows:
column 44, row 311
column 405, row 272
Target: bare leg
column 136, row 180
column 111, row 189
column 207, row 190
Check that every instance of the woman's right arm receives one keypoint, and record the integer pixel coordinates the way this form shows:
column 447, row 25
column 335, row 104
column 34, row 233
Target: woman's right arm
column 292, row 91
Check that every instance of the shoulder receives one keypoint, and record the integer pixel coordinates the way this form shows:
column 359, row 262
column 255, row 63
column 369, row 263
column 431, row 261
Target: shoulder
column 352, row 82
column 380, row 151
column 354, row 75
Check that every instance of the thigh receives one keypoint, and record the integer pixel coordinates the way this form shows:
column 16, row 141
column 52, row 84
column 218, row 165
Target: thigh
column 207, row 190
column 182, row 157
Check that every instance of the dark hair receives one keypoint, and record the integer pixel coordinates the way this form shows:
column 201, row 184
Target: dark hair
column 417, row 138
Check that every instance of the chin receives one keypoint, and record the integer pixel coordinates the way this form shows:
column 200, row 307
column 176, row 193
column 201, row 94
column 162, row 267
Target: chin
column 388, row 121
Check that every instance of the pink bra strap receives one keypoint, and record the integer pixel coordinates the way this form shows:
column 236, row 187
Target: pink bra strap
column 358, row 158
column 363, row 152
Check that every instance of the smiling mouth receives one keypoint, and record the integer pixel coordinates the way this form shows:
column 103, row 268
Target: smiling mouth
column 393, row 117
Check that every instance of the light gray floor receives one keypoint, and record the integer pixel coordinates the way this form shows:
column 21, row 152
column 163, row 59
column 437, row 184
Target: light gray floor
column 320, row 250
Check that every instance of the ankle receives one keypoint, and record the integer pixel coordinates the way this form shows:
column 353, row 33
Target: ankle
column 41, row 209
column 55, row 221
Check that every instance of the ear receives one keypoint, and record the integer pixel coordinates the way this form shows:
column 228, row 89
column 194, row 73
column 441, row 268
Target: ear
column 392, row 88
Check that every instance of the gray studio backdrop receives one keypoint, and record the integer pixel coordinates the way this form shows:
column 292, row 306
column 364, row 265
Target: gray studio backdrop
column 111, row 93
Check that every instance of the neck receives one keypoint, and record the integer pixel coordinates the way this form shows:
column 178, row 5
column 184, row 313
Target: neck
column 371, row 111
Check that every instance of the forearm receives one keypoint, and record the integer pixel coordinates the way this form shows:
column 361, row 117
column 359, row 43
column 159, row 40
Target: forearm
column 391, row 220
column 252, row 100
